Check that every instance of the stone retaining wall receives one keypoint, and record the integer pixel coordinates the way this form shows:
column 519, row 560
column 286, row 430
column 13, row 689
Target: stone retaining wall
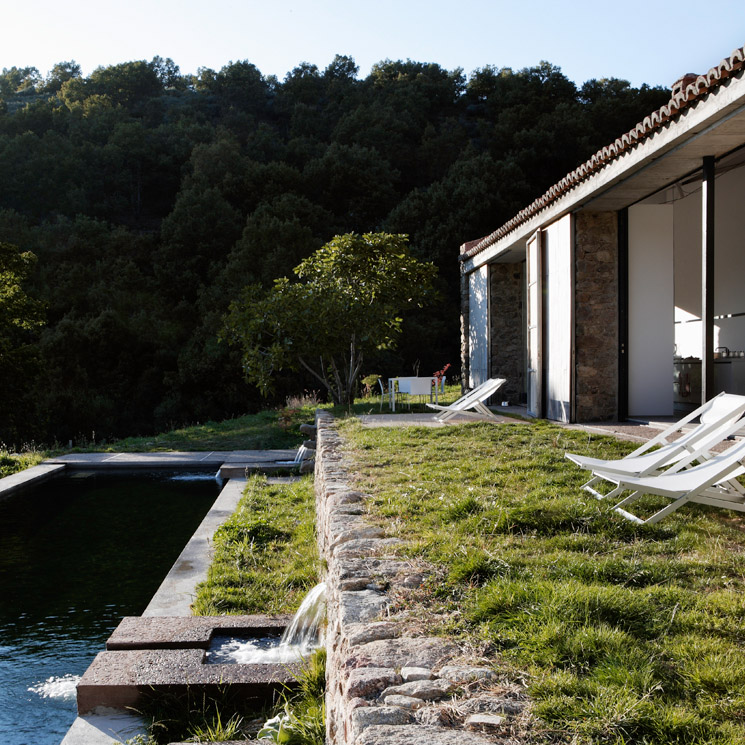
column 387, row 681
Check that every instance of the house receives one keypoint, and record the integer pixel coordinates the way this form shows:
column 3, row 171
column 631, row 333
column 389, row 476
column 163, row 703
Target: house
column 621, row 291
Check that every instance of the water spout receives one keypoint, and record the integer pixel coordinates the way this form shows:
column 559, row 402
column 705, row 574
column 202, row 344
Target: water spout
column 305, row 629
column 303, row 636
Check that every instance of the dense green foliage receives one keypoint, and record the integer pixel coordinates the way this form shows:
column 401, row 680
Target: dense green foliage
column 346, row 305
column 20, row 317
column 624, row 633
column 152, row 198
column 12, row 462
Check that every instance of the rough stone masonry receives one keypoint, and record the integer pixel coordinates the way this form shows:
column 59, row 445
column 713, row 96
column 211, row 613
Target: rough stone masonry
column 387, row 681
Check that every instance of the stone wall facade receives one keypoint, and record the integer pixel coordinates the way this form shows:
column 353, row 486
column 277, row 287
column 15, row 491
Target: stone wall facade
column 596, row 308
column 506, row 329
column 387, row 681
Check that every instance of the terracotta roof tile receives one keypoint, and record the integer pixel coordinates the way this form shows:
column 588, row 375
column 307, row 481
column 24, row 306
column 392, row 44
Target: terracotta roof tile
column 685, row 93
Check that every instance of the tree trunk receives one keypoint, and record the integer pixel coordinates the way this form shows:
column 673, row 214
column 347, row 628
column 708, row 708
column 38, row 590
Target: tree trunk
column 341, row 384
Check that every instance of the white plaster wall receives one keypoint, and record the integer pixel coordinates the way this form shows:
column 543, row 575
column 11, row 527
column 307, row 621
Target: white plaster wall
column 558, row 318
column 729, row 265
column 729, row 262
column 687, row 253
column 651, row 316
column 478, row 326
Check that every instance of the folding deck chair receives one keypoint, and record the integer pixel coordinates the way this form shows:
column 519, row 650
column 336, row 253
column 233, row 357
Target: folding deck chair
column 719, row 418
column 713, row 482
column 472, row 400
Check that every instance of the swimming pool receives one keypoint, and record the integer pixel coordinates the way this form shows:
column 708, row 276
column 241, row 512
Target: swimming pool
column 76, row 554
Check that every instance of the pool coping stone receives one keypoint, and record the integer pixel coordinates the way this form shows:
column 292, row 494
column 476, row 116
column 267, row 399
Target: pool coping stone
column 185, row 632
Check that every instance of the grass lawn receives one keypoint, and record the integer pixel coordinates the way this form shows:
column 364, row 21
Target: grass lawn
column 272, row 428
column 266, row 430
column 266, row 557
column 265, row 561
column 625, row 634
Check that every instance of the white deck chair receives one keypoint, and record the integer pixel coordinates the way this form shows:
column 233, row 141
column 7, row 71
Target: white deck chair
column 712, row 482
column 472, row 403
column 472, row 391
column 718, row 419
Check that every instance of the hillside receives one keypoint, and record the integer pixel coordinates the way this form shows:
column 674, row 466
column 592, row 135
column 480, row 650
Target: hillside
column 151, row 198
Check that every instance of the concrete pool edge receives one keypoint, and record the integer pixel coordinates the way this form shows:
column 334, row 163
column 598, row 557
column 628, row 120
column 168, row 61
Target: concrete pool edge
column 237, row 460
column 175, row 594
column 34, row 475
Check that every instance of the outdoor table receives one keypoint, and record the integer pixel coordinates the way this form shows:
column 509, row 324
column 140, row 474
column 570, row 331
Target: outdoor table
column 413, row 386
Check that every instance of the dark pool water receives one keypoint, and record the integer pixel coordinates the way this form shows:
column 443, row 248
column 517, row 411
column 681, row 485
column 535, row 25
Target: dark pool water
column 76, row 554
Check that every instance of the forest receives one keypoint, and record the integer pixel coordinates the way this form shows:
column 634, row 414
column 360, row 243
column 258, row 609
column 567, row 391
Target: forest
column 137, row 202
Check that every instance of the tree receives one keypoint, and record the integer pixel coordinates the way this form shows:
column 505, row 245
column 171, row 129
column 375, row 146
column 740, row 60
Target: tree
column 278, row 234
column 168, row 72
column 151, row 198
column 60, row 74
column 127, row 84
column 348, row 302
column 18, row 80
column 19, row 313
column 20, row 319
column 196, row 239
column 355, row 183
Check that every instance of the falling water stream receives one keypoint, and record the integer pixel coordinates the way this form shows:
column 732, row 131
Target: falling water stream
column 301, row 637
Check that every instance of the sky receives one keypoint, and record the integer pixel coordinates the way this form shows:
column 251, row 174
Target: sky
column 653, row 42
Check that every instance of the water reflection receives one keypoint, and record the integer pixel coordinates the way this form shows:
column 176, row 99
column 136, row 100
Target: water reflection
column 77, row 554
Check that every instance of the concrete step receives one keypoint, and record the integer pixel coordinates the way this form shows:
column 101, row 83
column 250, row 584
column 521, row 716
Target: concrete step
column 190, row 632
column 147, row 655
column 124, row 678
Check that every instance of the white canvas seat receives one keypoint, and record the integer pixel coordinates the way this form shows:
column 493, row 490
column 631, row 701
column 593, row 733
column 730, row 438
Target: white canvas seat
column 712, row 482
column 472, row 403
column 411, row 386
column 416, row 387
column 718, row 419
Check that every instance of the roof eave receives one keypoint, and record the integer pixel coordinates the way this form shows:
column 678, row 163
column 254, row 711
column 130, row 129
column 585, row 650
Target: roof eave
column 675, row 115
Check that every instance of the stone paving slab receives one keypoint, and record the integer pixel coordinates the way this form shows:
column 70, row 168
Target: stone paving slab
column 243, row 468
column 170, row 459
column 630, row 430
column 639, row 431
column 120, row 679
column 635, row 431
column 105, row 727
column 189, row 632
